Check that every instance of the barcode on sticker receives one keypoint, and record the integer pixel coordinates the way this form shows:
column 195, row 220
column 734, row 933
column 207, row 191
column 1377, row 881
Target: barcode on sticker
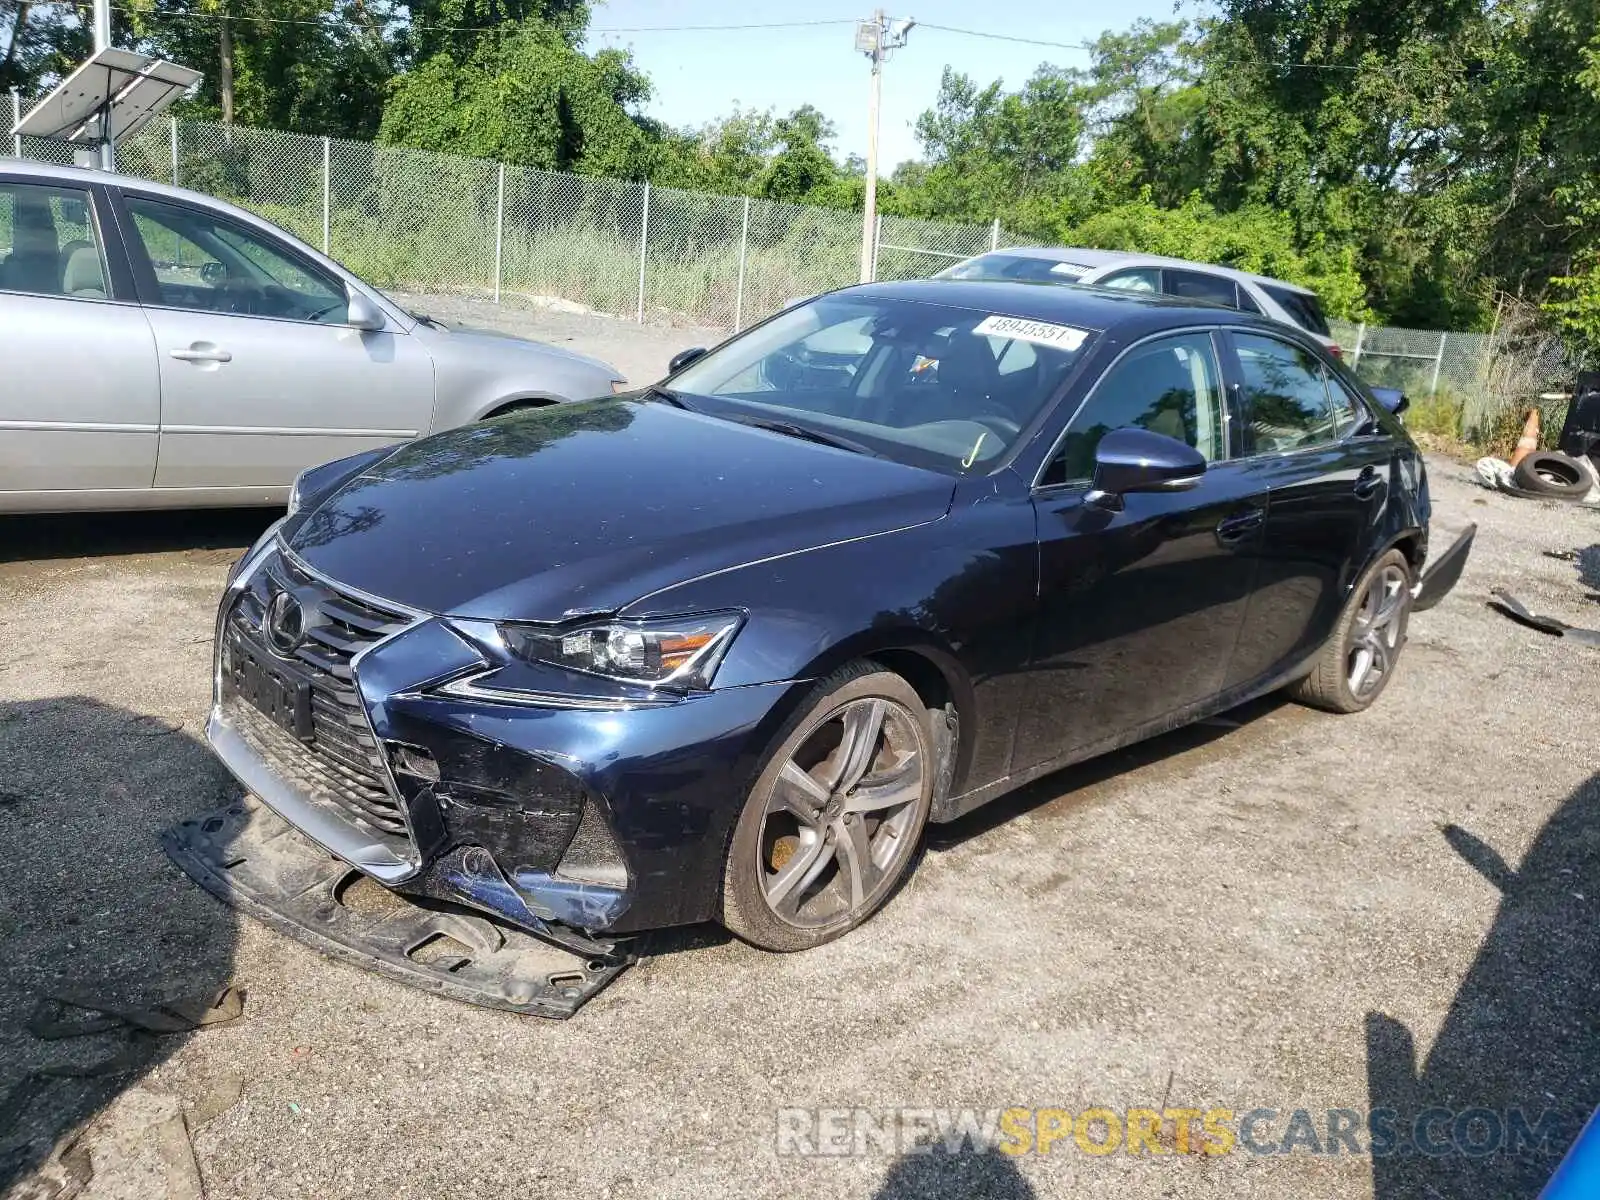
column 1042, row 332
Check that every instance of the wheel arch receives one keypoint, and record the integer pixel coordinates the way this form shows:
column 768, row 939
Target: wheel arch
column 507, row 404
column 931, row 668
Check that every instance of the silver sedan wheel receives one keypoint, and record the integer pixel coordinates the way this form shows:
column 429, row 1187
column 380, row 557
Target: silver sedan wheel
column 1376, row 632
column 840, row 817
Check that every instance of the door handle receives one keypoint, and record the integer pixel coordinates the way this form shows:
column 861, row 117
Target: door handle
column 1368, row 484
column 1235, row 529
column 202, row 352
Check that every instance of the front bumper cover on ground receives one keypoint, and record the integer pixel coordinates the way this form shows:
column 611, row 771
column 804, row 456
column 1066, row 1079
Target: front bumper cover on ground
column 251, row 858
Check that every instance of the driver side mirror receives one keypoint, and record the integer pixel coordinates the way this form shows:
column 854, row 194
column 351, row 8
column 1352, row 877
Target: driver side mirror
column 363, row 313
column 213, row 272
column 683, row 358
column 1136, row 460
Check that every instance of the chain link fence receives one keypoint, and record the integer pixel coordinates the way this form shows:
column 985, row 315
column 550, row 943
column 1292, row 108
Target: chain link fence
column 419, row 221
column 1487, row 377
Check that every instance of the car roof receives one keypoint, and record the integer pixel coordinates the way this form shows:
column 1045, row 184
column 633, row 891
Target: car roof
column 1105, row 258
column 1103, row 309
column 90, row 175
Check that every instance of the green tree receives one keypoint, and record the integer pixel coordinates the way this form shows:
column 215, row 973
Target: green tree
column 992, row 153
column 527, row 96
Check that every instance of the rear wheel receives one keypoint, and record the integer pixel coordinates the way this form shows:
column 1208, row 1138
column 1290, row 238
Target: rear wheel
column 1355, row 665
column 832, row 825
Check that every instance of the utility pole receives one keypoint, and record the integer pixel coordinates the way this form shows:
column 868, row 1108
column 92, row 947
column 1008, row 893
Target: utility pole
column 102, row 41
column 877, row 39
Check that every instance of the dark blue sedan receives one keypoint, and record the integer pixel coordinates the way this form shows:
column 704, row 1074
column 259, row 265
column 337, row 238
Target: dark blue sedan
column 721, row 649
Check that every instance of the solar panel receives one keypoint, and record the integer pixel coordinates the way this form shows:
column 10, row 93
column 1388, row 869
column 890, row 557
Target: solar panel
column 133, row 87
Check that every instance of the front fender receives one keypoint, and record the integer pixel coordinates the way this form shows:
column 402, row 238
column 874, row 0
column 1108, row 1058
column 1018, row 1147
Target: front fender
column 959, row 593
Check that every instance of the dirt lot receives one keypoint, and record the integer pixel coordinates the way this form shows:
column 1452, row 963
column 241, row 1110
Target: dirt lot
column 1282, row 910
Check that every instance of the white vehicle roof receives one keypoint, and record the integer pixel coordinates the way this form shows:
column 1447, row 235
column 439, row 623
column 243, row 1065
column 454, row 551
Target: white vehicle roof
column 1085, row 257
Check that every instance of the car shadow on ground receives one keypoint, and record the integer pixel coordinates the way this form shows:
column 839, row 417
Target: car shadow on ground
column 1521, row 1037
column 98, row 535
column 964, row 1175
column 1073, row 784
column 92, row 906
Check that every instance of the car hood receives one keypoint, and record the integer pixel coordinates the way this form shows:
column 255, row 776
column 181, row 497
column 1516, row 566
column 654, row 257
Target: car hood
column 580, row 508
column 469, row 339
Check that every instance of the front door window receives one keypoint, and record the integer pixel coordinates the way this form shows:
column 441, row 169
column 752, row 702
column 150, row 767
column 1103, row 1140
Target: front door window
column 208, row 264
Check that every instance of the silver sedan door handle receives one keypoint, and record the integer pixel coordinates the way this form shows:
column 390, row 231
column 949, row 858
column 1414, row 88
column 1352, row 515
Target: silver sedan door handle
column 202, row 352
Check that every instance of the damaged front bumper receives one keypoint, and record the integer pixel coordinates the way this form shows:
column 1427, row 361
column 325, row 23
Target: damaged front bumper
column 249, row 857
column 579, row 824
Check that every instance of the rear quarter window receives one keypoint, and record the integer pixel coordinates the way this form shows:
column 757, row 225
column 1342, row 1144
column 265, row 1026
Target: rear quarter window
column 1303, row 307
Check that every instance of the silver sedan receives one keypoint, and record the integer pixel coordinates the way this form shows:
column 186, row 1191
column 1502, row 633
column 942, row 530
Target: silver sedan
column 161, row 349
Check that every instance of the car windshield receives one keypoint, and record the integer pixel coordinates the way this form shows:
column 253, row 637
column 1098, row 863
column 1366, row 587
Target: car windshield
column 925, row 384
column 1304, row 307
column 1016, row 266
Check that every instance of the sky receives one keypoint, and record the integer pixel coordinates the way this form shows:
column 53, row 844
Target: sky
column 699, row 75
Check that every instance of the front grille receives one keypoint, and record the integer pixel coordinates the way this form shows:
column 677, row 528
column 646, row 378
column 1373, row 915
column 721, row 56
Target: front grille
column 331, row 756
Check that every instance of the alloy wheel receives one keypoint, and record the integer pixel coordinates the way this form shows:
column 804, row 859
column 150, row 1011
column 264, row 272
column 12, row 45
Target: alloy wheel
column 1376, row 632
column 840, row 817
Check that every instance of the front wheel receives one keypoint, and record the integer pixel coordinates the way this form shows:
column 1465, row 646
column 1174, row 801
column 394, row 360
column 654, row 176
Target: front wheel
column 1355, row 665
column 831, row 827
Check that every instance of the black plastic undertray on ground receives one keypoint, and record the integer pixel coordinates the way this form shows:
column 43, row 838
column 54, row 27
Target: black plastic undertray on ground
column 249, row 857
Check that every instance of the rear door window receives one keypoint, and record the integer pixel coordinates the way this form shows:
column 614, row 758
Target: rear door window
column 1201, row 285
column 48, row 244
column 1286, row 396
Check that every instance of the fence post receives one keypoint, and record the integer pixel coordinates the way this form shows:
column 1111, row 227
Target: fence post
column 1361, row 336
column 994, row 235
column 327, row 192
column 16, row 118
column 499, row 230
column 1438, row 362
column 744, row 243
column 877, row 240
column 644, row 234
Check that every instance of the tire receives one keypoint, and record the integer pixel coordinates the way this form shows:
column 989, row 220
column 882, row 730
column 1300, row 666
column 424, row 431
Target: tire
column 793, row 878
column 1341, row 679
column 1551, row 474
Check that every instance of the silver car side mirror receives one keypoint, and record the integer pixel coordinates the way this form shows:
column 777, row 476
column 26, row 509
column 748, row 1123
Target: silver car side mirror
column 363, row 313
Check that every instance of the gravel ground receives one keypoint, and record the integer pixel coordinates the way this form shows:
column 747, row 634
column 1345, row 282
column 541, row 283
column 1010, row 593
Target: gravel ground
column 1280, row 910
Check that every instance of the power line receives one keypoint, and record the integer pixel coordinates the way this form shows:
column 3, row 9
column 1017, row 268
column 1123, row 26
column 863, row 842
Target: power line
column 418, row 25
column 501, row 27
column 1090, row 46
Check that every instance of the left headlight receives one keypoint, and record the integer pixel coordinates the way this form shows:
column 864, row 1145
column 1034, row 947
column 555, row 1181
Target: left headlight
column 678, row 652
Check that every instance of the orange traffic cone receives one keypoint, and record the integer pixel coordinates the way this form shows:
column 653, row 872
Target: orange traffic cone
column 1529, row 441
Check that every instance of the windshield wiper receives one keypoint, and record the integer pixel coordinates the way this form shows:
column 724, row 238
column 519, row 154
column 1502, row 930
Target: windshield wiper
column 806, row 433
column 427, row 320
column 671, row 397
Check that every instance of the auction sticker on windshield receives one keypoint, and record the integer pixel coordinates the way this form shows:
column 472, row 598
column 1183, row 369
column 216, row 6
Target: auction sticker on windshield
column 1042, row 332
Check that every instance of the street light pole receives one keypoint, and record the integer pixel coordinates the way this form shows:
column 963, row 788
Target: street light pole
column 876, row 39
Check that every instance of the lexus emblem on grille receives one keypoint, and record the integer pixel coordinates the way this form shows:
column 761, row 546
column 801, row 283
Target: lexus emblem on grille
column 285, row 623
